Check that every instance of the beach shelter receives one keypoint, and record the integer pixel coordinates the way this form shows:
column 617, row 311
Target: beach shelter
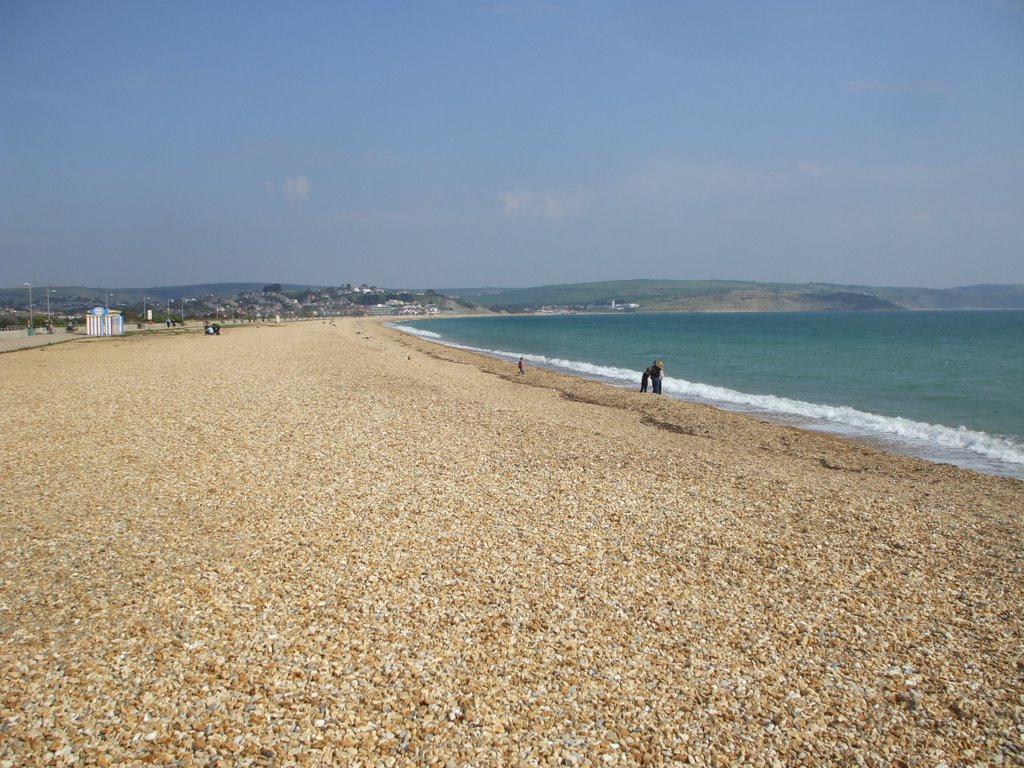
column 100, row 321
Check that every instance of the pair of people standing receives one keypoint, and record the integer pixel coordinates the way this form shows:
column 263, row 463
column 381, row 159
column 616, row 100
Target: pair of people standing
column 653, row 372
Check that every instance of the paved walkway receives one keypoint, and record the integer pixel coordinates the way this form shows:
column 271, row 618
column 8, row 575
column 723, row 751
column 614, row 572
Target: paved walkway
column 13, row 340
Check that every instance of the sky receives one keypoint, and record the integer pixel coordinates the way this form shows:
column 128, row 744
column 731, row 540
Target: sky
column 466, row 143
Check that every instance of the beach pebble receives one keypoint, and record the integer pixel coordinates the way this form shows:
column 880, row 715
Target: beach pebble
column 343, row 545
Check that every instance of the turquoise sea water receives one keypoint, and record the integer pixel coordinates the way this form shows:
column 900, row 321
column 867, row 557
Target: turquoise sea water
column 945, row 386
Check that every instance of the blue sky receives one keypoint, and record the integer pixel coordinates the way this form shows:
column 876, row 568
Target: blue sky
column 461, row 143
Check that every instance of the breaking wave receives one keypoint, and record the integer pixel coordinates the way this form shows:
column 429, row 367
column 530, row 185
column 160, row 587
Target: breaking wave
column 936, row 442
column 417, row 331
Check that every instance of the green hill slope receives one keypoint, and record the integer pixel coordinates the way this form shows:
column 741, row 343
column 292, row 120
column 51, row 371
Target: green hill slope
column 729, row 295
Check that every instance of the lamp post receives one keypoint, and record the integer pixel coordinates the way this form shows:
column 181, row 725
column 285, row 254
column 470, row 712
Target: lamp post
column 183, row 313
column 49, row 318
column 30, row 322
column 144, row 297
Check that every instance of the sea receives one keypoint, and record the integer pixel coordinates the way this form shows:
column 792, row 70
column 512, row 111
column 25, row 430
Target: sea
column 945, row 386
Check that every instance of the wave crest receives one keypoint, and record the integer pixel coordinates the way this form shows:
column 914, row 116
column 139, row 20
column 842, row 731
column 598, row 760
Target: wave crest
column 935, row 442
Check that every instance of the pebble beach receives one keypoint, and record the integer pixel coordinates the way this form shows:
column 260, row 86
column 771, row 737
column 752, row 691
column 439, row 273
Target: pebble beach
column 323, row 544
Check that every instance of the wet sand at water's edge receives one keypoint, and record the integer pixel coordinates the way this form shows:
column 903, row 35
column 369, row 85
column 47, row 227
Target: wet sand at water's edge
column 339, row 545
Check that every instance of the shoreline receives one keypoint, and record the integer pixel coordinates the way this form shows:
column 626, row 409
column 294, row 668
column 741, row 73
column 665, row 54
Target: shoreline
column 571, row 384
column 882, row 441
column 342, row 544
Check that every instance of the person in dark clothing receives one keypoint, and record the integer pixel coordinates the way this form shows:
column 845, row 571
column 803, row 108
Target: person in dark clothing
column 644, row 378
column 657, row 370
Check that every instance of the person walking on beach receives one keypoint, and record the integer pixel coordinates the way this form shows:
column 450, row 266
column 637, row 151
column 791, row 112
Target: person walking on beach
column 644, row 378
column 657, row 369
column 522, row 368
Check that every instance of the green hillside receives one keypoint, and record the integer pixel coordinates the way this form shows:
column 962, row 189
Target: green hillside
column 648, row 295
column 83, row 295
column 731, row 295
column 639, row 291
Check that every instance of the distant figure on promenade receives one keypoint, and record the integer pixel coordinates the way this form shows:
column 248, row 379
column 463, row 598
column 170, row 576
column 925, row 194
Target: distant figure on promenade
column 644, row 378
column 657, row 369
column 522, row 368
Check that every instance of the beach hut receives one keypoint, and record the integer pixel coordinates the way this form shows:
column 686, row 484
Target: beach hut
column 100, row 321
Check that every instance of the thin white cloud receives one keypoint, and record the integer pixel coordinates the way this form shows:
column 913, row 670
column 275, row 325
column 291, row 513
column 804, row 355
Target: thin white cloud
column 520, row 8
column 296, row 188
column 894, row 88
column 545, row 205
column 670, row 182
column 809, row 168
column 1017, row 6
column 902, row 177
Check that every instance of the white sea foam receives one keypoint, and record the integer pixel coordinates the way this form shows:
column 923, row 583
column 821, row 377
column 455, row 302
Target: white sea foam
column 936, row 442
column 851, row 421
column 417, row 331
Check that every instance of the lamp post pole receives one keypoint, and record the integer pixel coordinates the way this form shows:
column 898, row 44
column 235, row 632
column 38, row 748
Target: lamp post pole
column 144, row 308
column 183, row 313
column 49, row 318
column 30, row 323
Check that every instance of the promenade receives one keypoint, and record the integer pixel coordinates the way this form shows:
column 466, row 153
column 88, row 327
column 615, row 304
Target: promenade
column 11, row 341
column 14, row 340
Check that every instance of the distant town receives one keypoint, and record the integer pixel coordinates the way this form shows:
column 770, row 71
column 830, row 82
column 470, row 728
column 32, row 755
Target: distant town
column 41, row 305
column 62, row 307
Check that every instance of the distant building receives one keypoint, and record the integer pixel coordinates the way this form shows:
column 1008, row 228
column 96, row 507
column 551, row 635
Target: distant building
column 614, row 306
column 100, row 321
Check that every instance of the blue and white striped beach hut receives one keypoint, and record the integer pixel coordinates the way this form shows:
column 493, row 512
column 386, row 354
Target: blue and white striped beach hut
column 101, row 321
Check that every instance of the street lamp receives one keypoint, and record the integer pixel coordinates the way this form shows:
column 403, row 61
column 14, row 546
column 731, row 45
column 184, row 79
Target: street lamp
column 49, row 319
column 144, row 297
column 30, row 323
